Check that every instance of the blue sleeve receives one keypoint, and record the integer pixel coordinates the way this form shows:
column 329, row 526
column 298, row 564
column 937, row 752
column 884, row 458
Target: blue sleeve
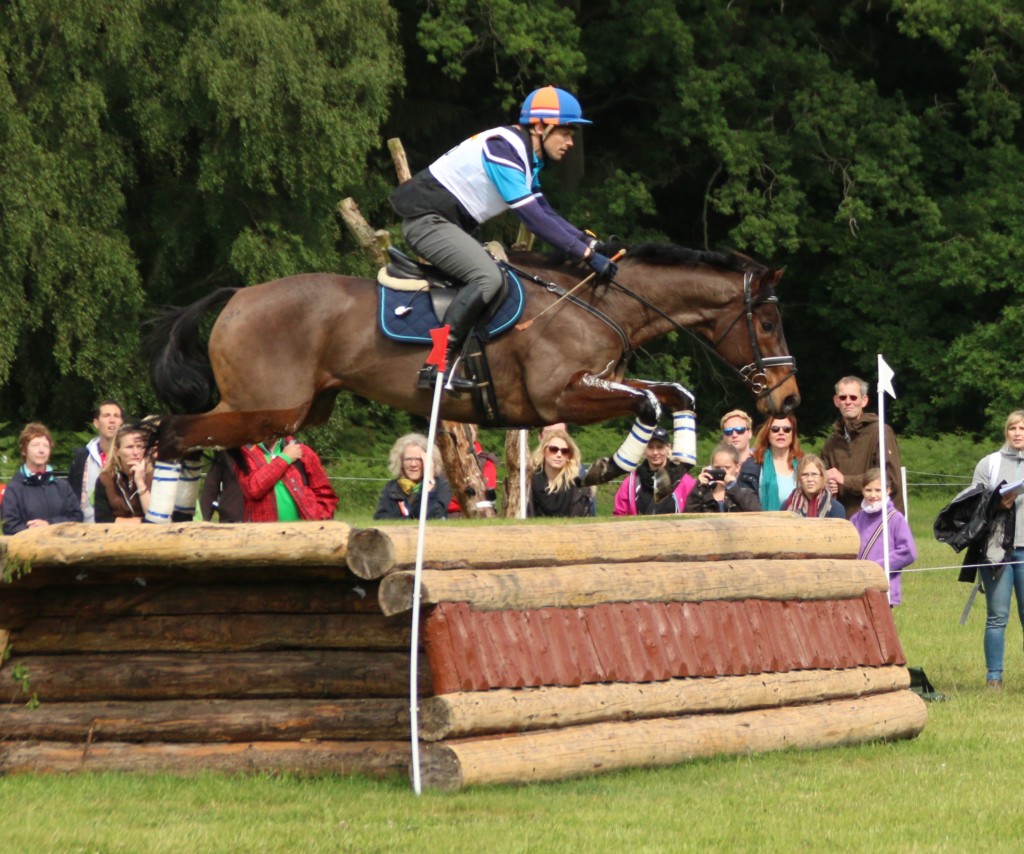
column 71, row 511
column 506, row 171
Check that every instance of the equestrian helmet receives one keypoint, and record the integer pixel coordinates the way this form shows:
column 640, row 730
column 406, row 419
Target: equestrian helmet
column 551, row 106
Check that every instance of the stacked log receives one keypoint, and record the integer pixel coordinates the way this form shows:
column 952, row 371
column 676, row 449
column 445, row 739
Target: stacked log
column 199, row 647
column 598, row 646
column 547, row 652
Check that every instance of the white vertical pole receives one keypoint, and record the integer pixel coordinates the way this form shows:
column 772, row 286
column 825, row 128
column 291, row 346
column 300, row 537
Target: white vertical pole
column 428, row 476
column 524, row 448
column 882, row 466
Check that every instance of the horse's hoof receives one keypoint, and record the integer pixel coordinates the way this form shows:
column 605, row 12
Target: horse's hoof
column 601, row 471
column 662, row 485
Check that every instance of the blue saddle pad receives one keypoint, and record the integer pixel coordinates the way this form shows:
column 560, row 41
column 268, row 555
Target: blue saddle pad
column 413, row 326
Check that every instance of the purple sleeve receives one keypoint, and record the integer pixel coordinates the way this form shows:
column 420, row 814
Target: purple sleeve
column 538, row 216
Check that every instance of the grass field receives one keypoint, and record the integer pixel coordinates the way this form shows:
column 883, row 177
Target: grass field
column 953, row 788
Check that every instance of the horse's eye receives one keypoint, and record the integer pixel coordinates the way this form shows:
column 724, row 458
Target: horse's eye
column 768, row 327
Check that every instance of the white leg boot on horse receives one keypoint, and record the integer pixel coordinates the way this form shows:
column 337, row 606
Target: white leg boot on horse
column 467, row 307
column 163, row 492
column 629, row 455
column 684, row 437
column 187, row 493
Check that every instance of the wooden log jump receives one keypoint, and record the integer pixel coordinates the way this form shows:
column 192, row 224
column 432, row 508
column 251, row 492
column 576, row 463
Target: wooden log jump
column 544, row 655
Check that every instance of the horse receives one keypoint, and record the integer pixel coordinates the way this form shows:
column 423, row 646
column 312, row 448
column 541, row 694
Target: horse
column 280, row 352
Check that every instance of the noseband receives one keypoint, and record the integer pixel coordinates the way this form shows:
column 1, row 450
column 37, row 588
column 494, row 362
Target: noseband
column 755, row 374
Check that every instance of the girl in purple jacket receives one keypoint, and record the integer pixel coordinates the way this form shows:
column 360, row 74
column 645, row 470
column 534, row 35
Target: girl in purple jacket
column 868, row 522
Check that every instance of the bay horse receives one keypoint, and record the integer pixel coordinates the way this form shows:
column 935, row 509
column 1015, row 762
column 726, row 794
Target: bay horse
column 281, row 351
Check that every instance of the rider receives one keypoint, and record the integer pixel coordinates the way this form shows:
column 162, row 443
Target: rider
column 481, row 177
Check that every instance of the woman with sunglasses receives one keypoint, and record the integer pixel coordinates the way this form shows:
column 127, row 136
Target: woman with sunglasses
column 555, row 488
column 738, row 430
column 777, row 449
column 811, row 498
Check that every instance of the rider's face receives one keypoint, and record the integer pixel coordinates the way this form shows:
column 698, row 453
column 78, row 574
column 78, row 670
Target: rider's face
column 558, row 142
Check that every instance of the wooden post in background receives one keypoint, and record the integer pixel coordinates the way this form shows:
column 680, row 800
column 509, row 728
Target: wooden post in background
column 454, row 441
column 374, row 243
column 512, row 501
column 399, row 159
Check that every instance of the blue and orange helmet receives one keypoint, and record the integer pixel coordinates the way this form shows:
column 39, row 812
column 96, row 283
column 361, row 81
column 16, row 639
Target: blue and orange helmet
column 551, row 106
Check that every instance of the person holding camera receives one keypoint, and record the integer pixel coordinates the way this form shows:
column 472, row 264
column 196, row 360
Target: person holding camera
column 717, row 489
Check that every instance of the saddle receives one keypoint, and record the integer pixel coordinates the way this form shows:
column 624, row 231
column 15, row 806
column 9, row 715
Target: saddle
column 413, row 299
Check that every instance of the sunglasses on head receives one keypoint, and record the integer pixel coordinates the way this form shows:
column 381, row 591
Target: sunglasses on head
column 848, row 397
column 734, row 431
column 557, row 449
column 782, row 428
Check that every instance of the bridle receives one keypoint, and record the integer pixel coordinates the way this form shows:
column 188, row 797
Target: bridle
column 755, row 374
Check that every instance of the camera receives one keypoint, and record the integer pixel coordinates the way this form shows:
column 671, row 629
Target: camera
column 716, row 473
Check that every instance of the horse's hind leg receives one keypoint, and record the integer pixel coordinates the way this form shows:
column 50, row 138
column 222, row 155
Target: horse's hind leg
column 179, row 434
column 176, row 480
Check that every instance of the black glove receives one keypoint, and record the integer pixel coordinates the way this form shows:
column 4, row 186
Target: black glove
column 604, row 266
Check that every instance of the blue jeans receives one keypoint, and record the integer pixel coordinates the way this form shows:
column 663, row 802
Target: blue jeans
column 997, row 598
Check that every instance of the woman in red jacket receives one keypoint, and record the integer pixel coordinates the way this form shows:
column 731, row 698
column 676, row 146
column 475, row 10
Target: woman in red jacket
column 284, row 483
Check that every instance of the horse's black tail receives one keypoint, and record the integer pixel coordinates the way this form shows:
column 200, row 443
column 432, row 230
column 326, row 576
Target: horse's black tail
column 179, row 364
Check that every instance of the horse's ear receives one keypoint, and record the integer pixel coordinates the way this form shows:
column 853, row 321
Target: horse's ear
column 773, row 276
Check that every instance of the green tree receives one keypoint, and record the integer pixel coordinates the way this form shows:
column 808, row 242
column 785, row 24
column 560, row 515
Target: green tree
column 152, row 149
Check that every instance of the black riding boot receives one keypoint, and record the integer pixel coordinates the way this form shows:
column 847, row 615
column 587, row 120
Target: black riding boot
column 461, row 316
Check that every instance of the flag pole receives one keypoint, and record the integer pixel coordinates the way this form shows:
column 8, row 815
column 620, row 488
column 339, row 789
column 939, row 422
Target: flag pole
column 436, row 357
column 885, row 375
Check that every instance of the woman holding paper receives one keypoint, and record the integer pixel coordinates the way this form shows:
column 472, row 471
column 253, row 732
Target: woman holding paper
column 1005, row 577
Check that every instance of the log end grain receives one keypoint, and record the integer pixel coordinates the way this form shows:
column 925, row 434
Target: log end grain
column 440, row 768
column 395, row 593
column 371, row 553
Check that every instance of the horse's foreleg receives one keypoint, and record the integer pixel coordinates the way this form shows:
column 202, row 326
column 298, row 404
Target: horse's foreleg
column 680, row 400
column 589, row 394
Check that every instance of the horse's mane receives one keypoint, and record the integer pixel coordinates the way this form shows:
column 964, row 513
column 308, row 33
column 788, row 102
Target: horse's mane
column 670, row 255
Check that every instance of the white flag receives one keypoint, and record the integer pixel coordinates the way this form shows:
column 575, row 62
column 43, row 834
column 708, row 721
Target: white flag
column 885, row 376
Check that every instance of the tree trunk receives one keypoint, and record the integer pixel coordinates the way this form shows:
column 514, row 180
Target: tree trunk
column 270, row 544
column 374, row 243
column 513, row 498
column 691, row 537
column 213, row 633
column 371, row 758
column 156, row 676
column 585, row 585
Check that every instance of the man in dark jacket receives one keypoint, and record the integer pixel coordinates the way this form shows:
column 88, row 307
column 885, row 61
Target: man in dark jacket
column 852, row 449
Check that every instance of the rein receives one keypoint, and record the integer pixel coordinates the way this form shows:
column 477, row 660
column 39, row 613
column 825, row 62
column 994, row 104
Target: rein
column 562, row 293
column 755, row 374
